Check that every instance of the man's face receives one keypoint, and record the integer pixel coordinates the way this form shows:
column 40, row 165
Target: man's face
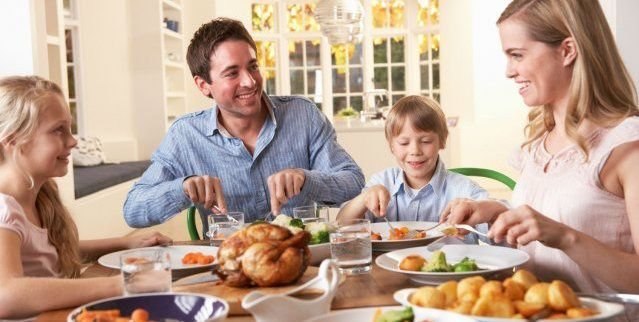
column 236, row 82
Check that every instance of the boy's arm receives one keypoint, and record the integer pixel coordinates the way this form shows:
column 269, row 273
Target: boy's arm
column 353, row 209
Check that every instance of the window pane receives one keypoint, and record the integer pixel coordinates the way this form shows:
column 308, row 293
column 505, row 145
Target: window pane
column 270, row 85
column 356, row 102
column 339, row 80
column 379, row 10
column 310, row 78
column 74, row 114
column 356, row 56
column 297, row 82
column 437, row 97
column 339, row 103
column 435, row 76
column 399, row 79
column 313, row 53
column 397, row 49
column 339, row 55
column 433, row 11
column 381, row 77
column 423, row 47
column 263, row 17
column 424, row 77
column 397, row 13
column 396, row 98
column 434, row 39
column 356, row 80
column 379, row 50
column 71, row 78
column 295, row 54
column 309, row 17
column 68, row 36
column 295, row 18
column 383, row 102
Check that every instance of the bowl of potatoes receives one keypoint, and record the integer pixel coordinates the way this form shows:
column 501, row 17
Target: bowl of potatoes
column 517, row 298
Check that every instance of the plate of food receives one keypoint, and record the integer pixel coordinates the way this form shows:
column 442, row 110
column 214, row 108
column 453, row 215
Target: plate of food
column 518, row 298
column 183, row 257
column 153, row 307
column 319, row 230
column 451, row 262
column 391, row 313
column 405, row 234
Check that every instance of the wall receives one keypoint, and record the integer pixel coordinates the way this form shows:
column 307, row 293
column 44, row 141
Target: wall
column 196, row 13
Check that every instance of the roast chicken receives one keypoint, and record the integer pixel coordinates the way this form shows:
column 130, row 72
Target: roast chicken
column 264, row 255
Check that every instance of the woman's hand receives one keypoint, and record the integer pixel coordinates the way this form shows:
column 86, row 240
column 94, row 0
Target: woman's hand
column 376, row 199
column 146, row 240
column 524, row 224
column 471, row 212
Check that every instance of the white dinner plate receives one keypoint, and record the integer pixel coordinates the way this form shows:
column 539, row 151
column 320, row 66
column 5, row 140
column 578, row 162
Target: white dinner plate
column 606, row 310
column 367, row 314
column 176, row 252
column 490, row 259
column 385, row 245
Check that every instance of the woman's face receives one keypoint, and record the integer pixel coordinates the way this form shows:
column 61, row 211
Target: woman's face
column 538, row 68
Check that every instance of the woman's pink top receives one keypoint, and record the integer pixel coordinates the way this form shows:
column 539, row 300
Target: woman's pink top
column 569, row 191
column 39, row 257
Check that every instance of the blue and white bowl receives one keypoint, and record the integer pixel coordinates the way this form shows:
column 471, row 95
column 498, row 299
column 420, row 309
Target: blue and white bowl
column 162, row 306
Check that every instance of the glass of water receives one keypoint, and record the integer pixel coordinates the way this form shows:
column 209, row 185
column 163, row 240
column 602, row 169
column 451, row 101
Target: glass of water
column 146, row 271
column 221, row 226
column 311, row 212
column 351, row 247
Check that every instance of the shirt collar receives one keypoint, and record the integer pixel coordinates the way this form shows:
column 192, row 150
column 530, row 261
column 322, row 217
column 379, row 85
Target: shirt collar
column 216, row 127
column 436, row 182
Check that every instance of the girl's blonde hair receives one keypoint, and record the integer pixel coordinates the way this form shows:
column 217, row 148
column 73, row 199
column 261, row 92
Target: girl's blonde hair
column 601, row 89
column 22, row 99
column 423, row 113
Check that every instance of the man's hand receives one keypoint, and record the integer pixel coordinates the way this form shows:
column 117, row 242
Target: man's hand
column 205, row 190
column 283, row 186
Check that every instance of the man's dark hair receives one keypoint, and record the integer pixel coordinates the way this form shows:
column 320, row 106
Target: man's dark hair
column 207, row 38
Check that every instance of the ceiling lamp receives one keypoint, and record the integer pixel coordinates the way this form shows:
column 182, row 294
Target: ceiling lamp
column 341, row 21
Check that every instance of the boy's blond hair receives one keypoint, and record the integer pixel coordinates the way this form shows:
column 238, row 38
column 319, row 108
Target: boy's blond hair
column 423, row 113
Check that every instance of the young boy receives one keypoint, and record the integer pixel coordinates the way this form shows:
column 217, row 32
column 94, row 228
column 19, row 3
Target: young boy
column 421, row 187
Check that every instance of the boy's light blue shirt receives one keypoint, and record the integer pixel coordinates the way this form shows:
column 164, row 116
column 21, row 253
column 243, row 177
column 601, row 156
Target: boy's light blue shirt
column 430, row 201
column 297, row 135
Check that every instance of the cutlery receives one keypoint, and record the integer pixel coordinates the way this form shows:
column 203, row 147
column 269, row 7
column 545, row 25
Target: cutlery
column 433, row 227
column 388, row 223
column 442, row 241
column 452, row 230
column 544, row 313
column 613, row 297
column 231, row 219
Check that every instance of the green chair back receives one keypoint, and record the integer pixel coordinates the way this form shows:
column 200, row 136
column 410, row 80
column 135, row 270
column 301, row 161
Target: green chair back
column 486, row 173
column 190, row 223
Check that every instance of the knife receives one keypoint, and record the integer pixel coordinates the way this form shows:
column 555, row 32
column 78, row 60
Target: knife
column 613, row 297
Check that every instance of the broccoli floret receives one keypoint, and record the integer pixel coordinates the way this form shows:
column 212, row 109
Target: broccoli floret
column 319, row 237
column 437, row 263
column 405, row 315
column 466, row 265
column 296, row 223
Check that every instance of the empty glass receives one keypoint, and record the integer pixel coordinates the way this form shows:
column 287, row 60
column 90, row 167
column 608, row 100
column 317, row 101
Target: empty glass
column 351, row 247
column 224, row 225
column 146, row 271
column 311, row 212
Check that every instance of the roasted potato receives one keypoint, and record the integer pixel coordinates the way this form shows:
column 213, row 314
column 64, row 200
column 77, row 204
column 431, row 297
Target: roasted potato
column 561, row 297
column 450, row 290
column 537, row 293
column 468, row 288
column 498, row 306
column 527, row 309
column 491, row 289
column 428, row 296
column 525, row 278
column 412, row 263
column 580, row 312
column 514, row 290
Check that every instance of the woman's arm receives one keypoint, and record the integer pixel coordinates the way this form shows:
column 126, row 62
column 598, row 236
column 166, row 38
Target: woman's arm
column 22, row 297
column 92, row 249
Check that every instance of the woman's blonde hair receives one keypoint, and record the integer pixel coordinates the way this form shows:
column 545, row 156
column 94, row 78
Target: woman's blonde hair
column 423, row 113
column 601, row 89
column 22, row 99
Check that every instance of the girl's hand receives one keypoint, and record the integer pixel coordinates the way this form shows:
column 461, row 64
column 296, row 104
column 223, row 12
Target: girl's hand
column 376, row 200
column 524, row 224
column 146, row 240
column 471, row 212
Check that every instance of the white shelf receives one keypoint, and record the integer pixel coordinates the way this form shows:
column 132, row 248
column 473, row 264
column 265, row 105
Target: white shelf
column 174, row 64
column 174, row 94
column 171, row 34
column 53, row 40
column 172, row 4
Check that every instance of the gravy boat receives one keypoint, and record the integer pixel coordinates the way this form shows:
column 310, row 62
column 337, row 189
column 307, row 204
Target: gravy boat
column 286, row 307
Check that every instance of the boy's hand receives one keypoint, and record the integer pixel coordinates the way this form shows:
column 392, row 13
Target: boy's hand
column 376, row 200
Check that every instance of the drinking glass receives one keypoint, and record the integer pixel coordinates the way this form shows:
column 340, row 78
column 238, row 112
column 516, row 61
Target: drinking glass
column 310, row 212
column 221, row 226
column 146, row 271
column 351, row 247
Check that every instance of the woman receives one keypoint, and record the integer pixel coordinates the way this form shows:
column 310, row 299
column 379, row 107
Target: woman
column 576, row 204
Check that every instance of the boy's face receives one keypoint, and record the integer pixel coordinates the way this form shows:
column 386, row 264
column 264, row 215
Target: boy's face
column 416, row 153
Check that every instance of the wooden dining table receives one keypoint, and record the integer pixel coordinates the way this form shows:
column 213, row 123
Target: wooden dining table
column 373, row 289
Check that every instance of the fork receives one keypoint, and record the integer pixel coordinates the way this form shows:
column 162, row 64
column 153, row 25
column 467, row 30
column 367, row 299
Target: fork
column 466, row 227
column 388, row 223
column 231, row 219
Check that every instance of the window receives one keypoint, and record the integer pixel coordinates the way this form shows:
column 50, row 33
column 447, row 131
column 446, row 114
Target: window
column 71, row 30
column 298, row 60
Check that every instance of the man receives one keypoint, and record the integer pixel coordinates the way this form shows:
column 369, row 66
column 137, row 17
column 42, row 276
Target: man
column 250, row 152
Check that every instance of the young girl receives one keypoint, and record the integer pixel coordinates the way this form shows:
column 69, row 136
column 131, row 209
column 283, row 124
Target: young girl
column 577, row 199
column 38, row 239
column 421, row 187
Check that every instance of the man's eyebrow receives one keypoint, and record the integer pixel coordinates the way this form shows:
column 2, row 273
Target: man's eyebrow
column 229, row 68
column 510, row 50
